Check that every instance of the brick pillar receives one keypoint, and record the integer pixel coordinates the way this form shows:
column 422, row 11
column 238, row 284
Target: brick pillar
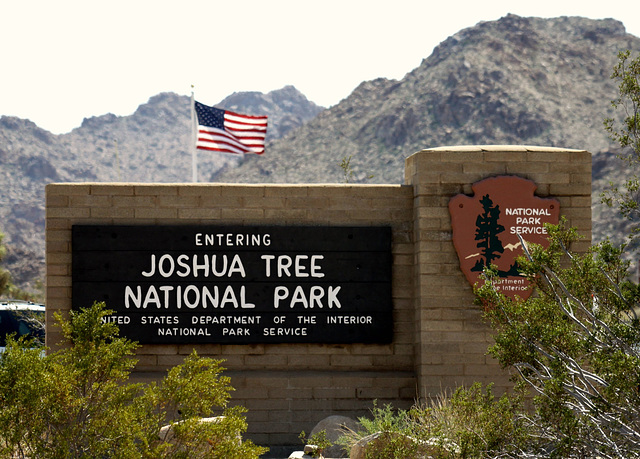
column 451, row 339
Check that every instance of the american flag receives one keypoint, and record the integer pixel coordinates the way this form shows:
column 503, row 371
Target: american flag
column 229, row 132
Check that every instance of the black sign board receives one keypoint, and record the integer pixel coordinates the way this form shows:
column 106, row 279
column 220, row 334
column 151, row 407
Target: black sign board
column 238, row 284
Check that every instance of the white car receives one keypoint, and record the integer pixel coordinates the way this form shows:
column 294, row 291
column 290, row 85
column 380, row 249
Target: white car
column 21, row 318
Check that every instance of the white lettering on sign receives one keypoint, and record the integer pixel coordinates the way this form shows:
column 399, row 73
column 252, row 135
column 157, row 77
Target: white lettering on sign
column 233, row 239
column 308, row 299
column 284, row 331
column 236, row 332
column 300, row 265
column 528, row 220
column 240, row 284
column 193, row 296
column 183, row 332
column 190, row 296
column 225, row 320
column 159, row 320
column 211, row 265
column 349, row 319
column 121, row 320
column 528, row 230
column 526, row 211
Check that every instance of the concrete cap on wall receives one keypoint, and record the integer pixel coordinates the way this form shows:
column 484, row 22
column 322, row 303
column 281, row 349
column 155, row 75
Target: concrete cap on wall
column 523, row 148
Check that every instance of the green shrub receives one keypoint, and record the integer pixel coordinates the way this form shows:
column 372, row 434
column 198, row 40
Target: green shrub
column 78, row 402
column 576, row 344
column 469, row 423
column 319, row 440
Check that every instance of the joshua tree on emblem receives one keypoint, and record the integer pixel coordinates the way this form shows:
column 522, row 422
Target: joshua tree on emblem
column 487, row 230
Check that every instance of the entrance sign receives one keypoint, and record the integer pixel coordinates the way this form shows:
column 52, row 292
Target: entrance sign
column 237, row 284
column 486, row 228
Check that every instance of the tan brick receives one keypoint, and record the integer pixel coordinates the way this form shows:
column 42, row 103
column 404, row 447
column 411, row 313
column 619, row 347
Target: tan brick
column 286, row 216
column 221, row 201
column 167, row 349
column 63, row 235
column 394, row 362
column 199, row 190
column 289, row 393
column 250, row 191
column 308, row 361
column 463, row 157
column 156, row 190
column 377, row 393
column 351, row 361
column 57, row 201
column 113, row 190
column 265, row 203
column 58, row 223
column 583, row 213
column 264, row 361
column 505, row 156
column 90, row 201
column 551, row 157
column 134, row 201
column 58, row 270
column 443, row 325
column 482, row 369
column 67, row 189
column 286, row 191
column 242, row 214
column 580, row 201
column 523, row 169
column 58, row 281
column 473, row 348
column 199, row 213
column 581, row 168
column 485, row 168
column 247, row 349
column 67, row 212
column 263, row 404
column 154, row 213
column 56, row 294
column 112, row 212
column 306, row 202
column 178, row 201
column 250, row 392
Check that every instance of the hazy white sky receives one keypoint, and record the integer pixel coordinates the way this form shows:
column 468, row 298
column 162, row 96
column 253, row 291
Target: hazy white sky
column 63, row 60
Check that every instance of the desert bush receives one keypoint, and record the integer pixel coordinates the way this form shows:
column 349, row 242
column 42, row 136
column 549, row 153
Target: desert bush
column 470, row 422
column 78, row 402
column 575, row 343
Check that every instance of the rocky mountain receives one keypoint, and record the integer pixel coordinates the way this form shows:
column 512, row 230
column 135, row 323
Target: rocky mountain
column 287, row 108
column 511, row 81
column 151, row 145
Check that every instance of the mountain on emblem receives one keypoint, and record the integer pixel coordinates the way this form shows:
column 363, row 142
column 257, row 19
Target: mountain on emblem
column 486, row 228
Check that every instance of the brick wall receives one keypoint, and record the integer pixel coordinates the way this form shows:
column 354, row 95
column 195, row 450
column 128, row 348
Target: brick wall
column 439, row 338
column 451, row 339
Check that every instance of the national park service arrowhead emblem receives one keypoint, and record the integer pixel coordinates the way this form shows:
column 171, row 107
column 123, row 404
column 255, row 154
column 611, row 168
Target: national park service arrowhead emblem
column 486, row 227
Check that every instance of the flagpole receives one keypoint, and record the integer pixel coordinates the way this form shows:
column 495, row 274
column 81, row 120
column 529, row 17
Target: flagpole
column 194, row 152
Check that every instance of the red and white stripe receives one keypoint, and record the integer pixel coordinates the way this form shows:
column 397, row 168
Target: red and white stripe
column 241, row 134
